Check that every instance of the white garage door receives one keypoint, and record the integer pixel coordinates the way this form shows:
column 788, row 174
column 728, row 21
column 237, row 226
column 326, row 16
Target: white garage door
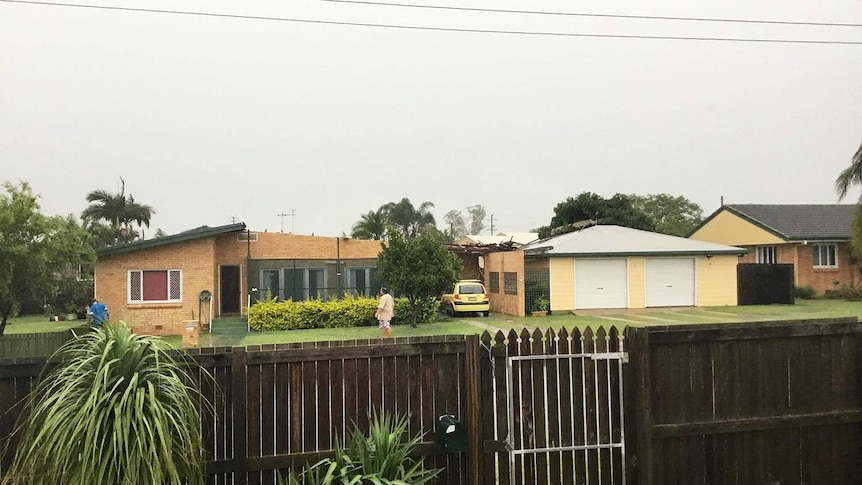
column 670, row 282
column 601, row 283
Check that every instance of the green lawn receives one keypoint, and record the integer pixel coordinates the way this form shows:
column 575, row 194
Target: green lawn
column 230, row 332
column 803, row 309
column 231, row 338
column 39, row 324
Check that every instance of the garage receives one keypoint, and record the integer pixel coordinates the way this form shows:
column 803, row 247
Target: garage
column 670, row 282
column 601, row 283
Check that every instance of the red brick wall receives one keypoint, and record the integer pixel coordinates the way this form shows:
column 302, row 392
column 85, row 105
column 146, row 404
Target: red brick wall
column 274, row 245
column 200, row 260
column 823, row 279
column 802, row 257
column 195, row 259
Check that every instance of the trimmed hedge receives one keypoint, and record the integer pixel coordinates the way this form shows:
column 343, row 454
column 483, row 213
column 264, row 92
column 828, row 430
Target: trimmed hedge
column 349, row 311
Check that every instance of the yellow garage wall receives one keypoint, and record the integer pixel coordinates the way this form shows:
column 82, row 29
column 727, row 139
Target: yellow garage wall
column 637, row 282
column 716, row 280
column 562, row 284
column 730, row 229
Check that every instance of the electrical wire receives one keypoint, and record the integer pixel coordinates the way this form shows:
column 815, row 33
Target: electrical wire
column 593, row 15
column 439, row 29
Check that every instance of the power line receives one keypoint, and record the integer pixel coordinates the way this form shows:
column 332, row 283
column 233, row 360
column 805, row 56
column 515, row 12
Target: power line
column 594, row 15
column 440, row 29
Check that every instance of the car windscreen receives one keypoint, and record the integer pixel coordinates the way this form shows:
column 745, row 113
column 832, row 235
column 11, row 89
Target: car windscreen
column 471, row 289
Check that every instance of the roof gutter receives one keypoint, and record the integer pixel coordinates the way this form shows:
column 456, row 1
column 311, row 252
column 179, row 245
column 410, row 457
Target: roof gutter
column 724, row 252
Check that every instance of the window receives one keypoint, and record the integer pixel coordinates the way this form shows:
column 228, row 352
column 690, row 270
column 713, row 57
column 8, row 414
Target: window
column 246, row 236
column 304, row 284
column 494, row 282
column 825, row 256
column 157, row 286
column 270, row 282
column 767, row 254
column 362, row 281
column 510, row 283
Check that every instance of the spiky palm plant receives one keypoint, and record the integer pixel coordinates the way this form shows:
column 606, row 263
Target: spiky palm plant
column 119, row 410
column 381, row 458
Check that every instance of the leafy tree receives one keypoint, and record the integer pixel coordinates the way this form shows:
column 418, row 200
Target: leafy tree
column 408, row 218
column 618, row 210
column 477, row 218
column 441, row 237
column 119, row 211
column 455, row 226
column 676, row 216
column 371, row 225
column 848, row 178
column 118, row 410
column 419, row 269
column 38, row 254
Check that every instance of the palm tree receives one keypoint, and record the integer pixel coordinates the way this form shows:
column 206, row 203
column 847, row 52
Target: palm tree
column 411, row 220
column 119, row 211
column 851, row 176
column 848, row 178
column 372, row 225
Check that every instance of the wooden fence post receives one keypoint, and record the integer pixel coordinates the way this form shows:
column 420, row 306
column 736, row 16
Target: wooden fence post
column 639, row 396
column 239, row 372
column 474, row 411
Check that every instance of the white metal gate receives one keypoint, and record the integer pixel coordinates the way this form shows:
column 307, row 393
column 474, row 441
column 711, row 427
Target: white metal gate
column 566, row 418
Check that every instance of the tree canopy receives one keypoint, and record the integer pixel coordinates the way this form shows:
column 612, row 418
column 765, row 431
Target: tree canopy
column 618, row 210
column 848, row 178
column 455, row 226
column 120, row 213
column 38, row 254
column 372, row 225
column 418, row 268
column 477, row 218
column 411, row 221
column 408, row 218
column 676, row 216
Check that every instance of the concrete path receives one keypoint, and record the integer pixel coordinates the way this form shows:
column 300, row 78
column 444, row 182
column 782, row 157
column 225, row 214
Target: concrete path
column 484, row 326
column 620, row 319
column 658, row 319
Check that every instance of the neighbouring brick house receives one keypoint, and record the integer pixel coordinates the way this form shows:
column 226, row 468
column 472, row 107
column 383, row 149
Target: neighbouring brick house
column 156, row 285
column 815, row 239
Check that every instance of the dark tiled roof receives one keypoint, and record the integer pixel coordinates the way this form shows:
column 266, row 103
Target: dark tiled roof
column 800, row 222
column 198, row 233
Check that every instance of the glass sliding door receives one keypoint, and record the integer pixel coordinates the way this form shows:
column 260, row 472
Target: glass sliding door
column 270, row 282
column 316, row 284
column 294, row 284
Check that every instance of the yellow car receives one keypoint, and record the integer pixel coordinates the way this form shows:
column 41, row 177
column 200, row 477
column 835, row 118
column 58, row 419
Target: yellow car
column 466, row 296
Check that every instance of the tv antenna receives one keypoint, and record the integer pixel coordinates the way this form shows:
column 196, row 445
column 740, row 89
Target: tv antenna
column 292, row 215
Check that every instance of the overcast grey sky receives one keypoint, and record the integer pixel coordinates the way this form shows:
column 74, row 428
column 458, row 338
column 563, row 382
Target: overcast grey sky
column 212, row 118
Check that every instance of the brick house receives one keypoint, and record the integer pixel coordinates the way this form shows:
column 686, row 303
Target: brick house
column 815, row 239
column 156, row 285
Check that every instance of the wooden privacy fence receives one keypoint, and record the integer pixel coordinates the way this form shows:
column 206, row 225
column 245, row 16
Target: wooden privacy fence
column 756, row 403
column 36, row 344
column 769, row 403
column 278, row 407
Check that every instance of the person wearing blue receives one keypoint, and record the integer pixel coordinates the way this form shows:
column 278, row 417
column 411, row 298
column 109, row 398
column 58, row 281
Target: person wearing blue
column 99, row 312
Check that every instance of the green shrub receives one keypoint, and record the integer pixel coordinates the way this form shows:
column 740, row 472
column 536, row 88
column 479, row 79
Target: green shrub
column 805, row 292
column 844, row 292
column 119, row 410
column 381, row 458
column 349, row 311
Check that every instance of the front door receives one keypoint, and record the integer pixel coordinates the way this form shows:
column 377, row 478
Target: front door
column 229, row 290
